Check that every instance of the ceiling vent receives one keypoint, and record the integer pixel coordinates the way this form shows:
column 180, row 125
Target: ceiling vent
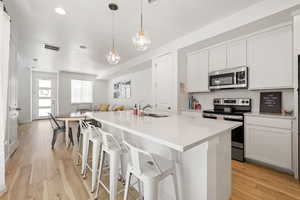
column 51, row 47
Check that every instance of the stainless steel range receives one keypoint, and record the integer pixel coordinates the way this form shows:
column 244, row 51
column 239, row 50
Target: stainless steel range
column 232, row 110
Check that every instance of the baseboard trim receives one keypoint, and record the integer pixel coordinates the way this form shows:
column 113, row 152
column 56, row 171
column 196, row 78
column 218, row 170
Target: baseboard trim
column 280, row 169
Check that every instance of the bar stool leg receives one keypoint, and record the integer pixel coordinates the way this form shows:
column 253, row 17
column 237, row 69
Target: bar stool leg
column 95, row 163
column 151, row 189
column 175, row 182
column 100, row 172
column 128, row 178
column 140, row 188
column 85, row 149
column 113, row 179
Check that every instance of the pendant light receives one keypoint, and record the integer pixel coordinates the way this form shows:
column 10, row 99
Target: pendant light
column 113, row 57
column 141, row 40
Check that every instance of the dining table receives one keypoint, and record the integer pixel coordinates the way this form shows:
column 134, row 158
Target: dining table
column 70, row 117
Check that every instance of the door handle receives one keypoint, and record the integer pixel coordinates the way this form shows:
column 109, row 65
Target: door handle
column 14, row 108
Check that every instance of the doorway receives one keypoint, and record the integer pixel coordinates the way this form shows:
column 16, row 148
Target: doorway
column 44, row 94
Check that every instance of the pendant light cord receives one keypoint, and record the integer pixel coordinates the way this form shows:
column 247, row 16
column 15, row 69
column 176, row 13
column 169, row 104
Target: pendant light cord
column 113, row 29
column 142, row 25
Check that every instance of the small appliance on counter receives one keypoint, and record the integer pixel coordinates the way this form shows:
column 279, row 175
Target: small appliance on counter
column 194, row 104
column 229, row 78
column 232, row 110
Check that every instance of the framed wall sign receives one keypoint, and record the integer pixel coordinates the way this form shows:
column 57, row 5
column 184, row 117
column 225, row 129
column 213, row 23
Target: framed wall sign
column 270, row 102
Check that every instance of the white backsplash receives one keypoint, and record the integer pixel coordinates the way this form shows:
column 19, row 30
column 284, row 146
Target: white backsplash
column 206, row 99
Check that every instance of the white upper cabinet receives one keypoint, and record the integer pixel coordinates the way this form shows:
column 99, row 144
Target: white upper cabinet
column 197, row 71
column 269, row 57
column 218, row 58
column 237, row 53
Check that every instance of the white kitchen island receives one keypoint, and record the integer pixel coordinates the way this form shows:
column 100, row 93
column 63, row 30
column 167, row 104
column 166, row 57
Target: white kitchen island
column 200, row 147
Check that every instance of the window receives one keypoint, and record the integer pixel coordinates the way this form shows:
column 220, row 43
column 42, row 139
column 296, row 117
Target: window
column 81, row 91
column 45, row 83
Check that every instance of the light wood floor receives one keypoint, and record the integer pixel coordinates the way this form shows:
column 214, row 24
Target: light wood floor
column 35, row 172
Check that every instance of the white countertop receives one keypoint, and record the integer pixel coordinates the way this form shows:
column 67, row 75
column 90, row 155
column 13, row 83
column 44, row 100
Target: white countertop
column 179, row 132
column 279, row 116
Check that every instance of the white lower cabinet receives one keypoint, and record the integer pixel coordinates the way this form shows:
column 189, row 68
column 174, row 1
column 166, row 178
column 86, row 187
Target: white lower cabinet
column 267, row 144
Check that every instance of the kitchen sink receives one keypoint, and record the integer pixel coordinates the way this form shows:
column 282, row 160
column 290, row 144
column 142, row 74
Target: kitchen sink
column 155, row 115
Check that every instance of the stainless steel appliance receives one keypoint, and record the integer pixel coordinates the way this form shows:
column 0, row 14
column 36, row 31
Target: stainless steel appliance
column 229, row 78
column 232, row 110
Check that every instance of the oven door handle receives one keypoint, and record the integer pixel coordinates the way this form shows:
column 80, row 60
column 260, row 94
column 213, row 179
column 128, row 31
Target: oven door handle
column 234, row 119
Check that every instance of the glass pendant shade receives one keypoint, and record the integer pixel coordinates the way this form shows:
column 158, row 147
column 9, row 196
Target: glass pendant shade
column 141, row 41
column 113, row 57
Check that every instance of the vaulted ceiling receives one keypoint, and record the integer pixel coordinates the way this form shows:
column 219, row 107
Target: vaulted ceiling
column 88, row 23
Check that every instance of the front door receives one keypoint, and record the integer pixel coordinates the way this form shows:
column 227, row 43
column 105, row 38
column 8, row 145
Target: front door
column 44, row 91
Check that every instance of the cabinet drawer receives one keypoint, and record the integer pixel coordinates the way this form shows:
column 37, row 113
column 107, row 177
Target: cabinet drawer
column 270, row 122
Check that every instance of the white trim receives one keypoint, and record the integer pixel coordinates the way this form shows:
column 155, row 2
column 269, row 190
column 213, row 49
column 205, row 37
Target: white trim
column 295, row 123
column 4, row 75
column 295, row 13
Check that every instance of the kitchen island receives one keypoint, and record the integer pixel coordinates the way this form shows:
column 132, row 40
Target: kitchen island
column 200, row 147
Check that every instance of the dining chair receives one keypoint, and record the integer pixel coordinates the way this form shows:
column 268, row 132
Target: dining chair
column 58, row 127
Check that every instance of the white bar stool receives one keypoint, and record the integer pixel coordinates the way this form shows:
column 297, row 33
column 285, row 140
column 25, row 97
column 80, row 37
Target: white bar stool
column 150, row 169
column 112, row 148
column 90, row 135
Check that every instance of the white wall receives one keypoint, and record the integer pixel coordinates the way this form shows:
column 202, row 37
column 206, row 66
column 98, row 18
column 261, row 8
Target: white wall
column 100, row 91
column 24, row 94
column 64, row 91
column 141, row 88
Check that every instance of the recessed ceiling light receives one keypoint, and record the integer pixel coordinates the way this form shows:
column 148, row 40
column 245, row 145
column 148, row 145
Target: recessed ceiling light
column 153, row 1
column 60, row 11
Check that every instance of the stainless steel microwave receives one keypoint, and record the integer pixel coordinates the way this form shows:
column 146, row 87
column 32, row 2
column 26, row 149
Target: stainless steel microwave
column 229, row 78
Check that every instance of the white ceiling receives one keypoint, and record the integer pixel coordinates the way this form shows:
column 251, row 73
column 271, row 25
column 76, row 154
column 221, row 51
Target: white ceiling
column 89, row 23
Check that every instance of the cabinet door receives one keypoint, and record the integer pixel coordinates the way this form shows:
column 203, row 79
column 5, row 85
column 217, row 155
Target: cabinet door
column 164, row 83
column 237, row 53
column 218, row 58
column 197, row 72
column 269, row 145
column 270, row 59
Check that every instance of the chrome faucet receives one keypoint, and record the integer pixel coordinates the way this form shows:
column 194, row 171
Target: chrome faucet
column 146, row 106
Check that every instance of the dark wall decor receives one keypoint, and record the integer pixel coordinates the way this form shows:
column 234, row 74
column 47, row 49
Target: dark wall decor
column 271, row 102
